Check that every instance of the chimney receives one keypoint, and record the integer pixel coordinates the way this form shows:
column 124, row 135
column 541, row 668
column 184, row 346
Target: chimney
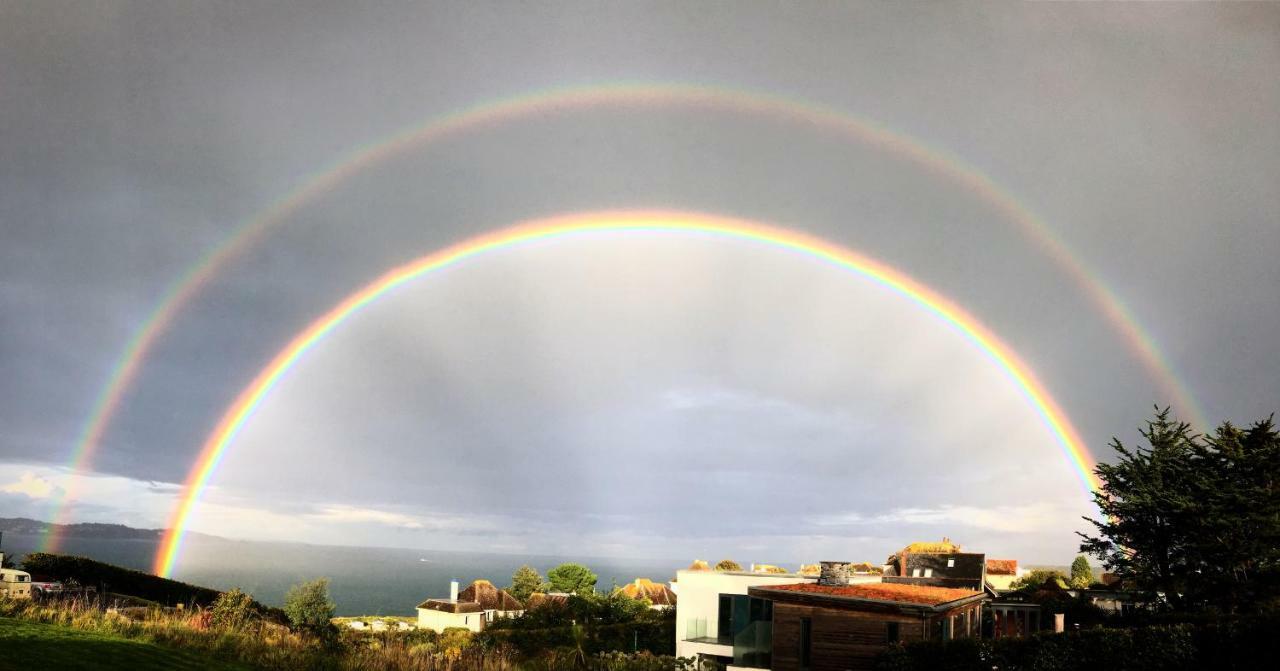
column 453, row 591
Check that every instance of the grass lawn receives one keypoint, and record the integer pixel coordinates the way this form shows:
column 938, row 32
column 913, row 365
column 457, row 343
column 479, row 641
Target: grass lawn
column 32, row 645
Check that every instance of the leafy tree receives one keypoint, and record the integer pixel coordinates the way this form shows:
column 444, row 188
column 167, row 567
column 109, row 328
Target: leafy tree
column 232, row 609
column 525, row 581
column 728, row 565
column 1081, row 573
column 1037, row 578
column 308, row 604
column 572, row 578
column 1194, row 518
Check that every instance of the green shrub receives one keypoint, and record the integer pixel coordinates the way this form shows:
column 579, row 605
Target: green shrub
column 308, row 604
column 232, row 609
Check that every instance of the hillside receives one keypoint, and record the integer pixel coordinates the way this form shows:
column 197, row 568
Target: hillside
column 34, row 645
column 23, row 525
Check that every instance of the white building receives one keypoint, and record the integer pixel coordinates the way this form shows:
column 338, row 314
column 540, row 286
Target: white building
column 708, row 603
column 714, row 610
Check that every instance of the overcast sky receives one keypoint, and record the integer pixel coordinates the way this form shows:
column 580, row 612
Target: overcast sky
column 663, row 396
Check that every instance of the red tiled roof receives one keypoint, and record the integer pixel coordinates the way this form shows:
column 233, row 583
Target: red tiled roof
column 1002, row 566
column 884, row 591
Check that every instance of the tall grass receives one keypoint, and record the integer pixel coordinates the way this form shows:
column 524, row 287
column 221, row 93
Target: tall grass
column 268, row 645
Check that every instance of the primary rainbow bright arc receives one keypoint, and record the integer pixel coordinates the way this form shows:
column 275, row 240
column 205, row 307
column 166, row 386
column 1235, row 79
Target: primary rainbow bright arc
column 612, row 222
column 627, row 96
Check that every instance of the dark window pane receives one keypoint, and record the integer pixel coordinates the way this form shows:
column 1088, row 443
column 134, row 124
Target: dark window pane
column 806, row 642
column 891, row 632
column 724, row 627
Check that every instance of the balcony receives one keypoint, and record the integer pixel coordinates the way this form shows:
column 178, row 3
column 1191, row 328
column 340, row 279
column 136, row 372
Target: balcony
column 695, row 631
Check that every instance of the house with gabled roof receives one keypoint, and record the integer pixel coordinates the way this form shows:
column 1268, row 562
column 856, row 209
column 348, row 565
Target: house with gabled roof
column 659, row 595
column 493, row 601
column 477, row 605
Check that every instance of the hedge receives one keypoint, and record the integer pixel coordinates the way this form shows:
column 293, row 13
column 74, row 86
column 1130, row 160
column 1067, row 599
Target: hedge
column 1226, row 644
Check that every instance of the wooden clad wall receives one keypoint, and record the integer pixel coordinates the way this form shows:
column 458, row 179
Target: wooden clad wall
column 842, row 639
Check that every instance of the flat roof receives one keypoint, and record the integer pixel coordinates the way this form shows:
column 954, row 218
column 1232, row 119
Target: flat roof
column 756, row 574
column 914, row 595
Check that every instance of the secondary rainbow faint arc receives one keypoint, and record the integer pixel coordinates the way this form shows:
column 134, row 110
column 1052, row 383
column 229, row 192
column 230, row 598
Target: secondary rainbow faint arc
column 612, row 222
column 866, row 131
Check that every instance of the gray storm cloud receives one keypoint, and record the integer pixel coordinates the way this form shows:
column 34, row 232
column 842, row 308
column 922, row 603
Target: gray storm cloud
column 721, row 382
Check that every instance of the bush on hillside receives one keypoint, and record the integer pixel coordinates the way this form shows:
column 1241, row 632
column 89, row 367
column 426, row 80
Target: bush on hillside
column 232, row 609
column 107, row 577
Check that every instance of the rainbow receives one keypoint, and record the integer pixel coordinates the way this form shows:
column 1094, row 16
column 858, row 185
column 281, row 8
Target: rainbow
column 612, row 222
column 622, row 95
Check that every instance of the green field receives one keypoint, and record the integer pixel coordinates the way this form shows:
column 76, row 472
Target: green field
column 32, row 645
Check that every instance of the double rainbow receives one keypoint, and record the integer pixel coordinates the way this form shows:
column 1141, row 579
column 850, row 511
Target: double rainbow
column 252, row 396
column 613, row 95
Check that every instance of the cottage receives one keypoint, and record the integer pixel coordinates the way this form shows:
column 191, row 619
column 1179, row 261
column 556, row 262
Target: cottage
column 494, row 602
column 478, row 604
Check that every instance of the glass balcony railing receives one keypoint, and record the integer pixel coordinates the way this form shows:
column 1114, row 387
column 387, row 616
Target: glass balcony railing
column 753, row 646
column 695, row 628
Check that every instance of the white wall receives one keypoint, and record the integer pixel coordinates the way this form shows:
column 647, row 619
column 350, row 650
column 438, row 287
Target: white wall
column 438, row 621
column 699, row 598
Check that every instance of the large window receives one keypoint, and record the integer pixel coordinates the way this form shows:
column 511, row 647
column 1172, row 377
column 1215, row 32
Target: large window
column 891, row 632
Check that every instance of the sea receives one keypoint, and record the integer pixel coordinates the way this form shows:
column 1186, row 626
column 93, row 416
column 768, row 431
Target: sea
column 362, row 580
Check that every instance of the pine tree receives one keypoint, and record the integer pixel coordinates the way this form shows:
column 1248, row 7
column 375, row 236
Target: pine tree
column 1193, row 518
column 1147, row 501
column 572, row 578
column 525, row 581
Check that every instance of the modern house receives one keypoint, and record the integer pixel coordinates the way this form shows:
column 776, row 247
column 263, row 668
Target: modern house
column 714, row 608
column 816, row 626
column 476, row 606
column 659, row 595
